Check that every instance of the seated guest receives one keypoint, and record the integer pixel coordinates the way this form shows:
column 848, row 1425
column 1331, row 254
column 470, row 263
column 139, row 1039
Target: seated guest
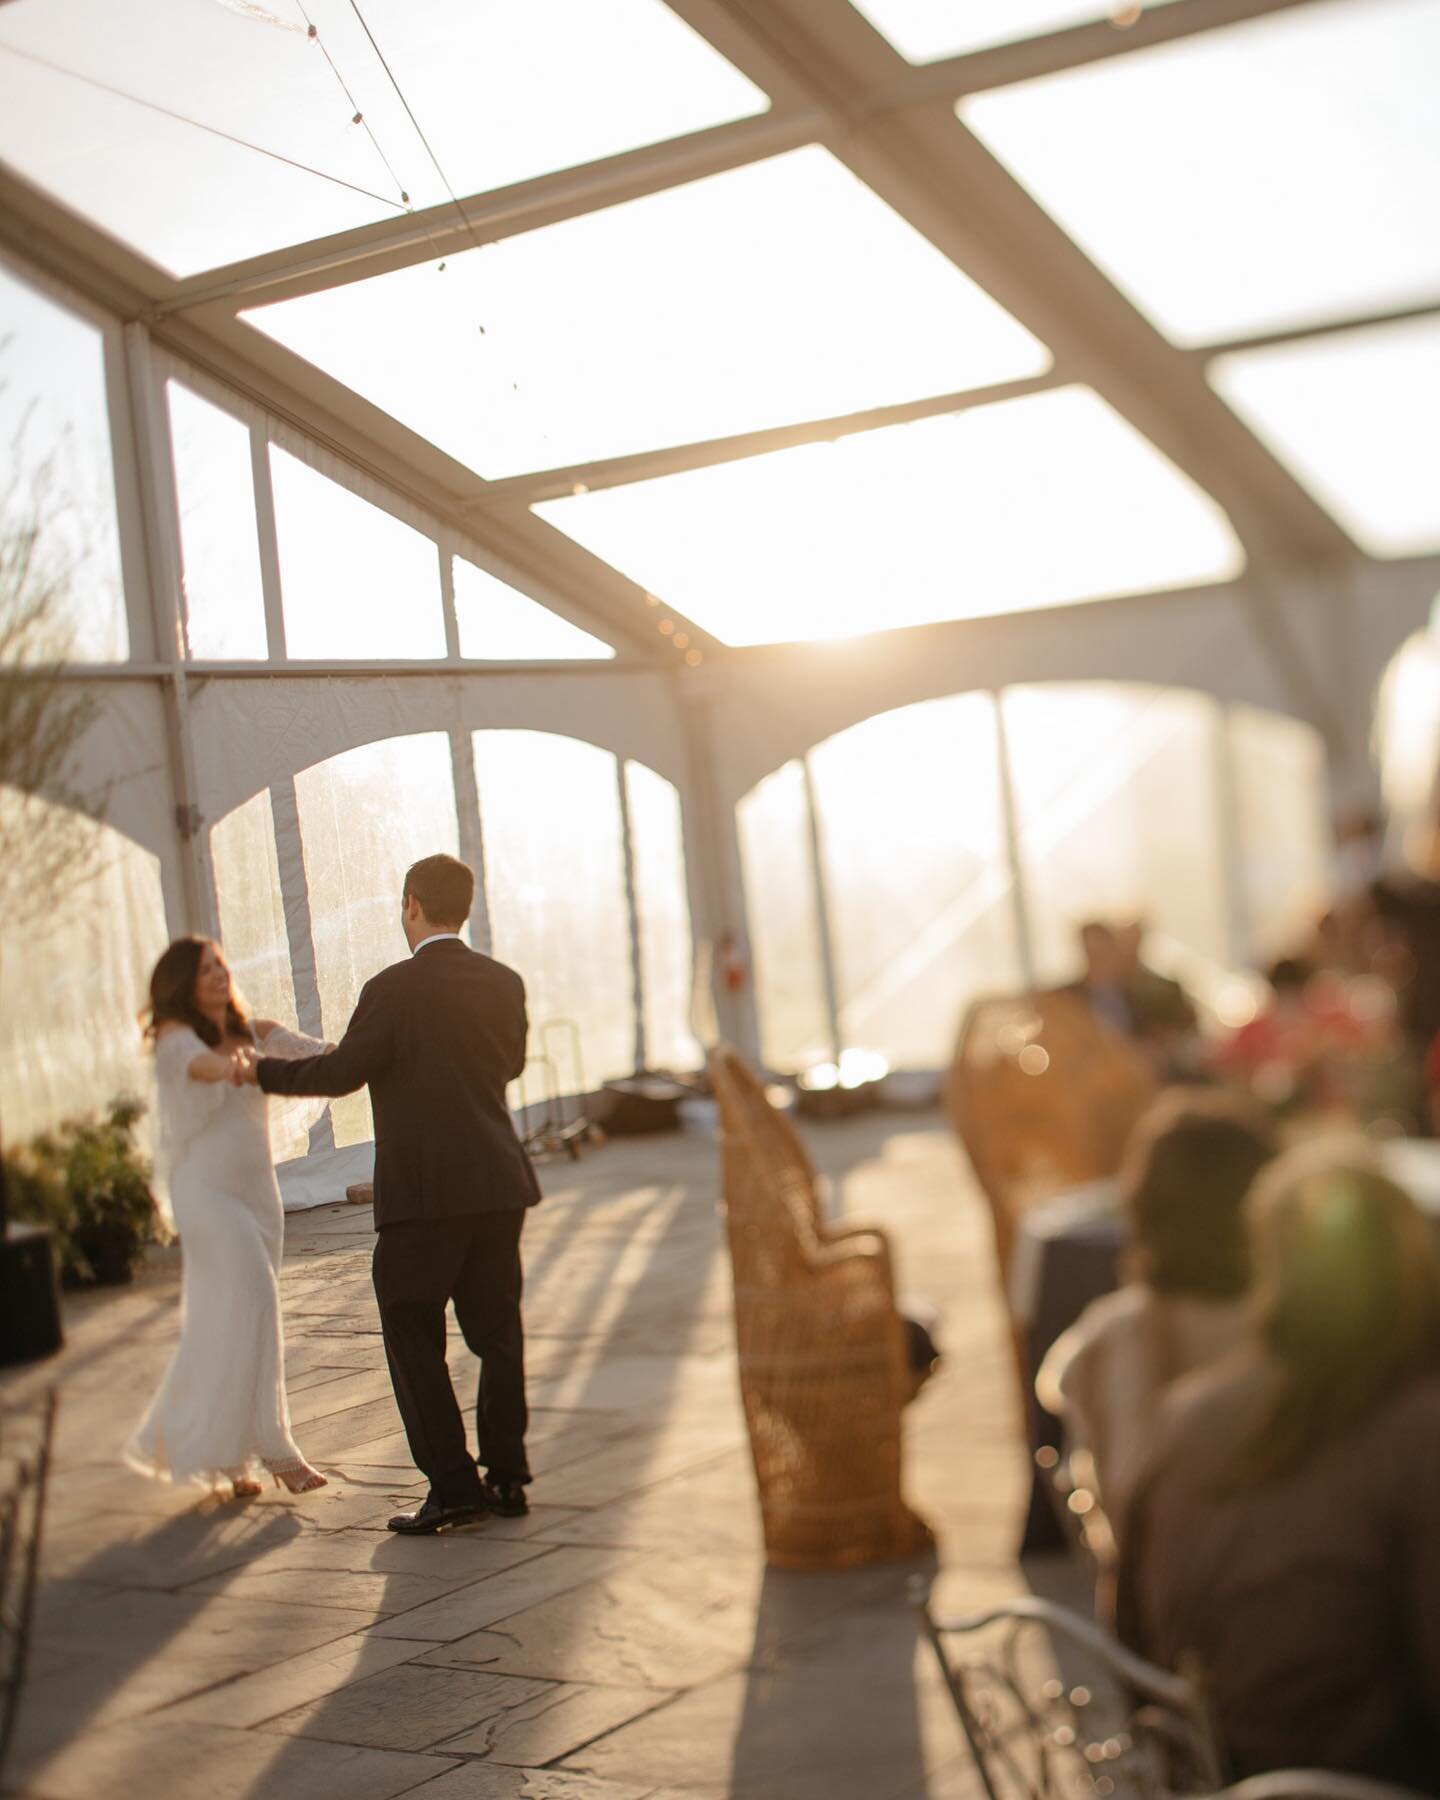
column 1323, row 1042
column 1162, row 1011
column 1282, row 1540
column 1408, row 905
column 1102, row 982
column 1137, row 1001
column 1188, row 1168
column 1276, row 1051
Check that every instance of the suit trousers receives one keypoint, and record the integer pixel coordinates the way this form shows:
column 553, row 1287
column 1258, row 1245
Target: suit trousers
column 420, row 1265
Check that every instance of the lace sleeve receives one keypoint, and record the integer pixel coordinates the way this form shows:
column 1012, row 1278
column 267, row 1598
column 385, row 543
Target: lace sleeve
column 292, row 1115
column 281, row 1041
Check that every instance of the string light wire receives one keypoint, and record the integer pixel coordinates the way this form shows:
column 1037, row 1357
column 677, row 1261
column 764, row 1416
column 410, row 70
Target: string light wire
column 475, row 239
column 180, row 118
column 419, row 129
column 357, row 112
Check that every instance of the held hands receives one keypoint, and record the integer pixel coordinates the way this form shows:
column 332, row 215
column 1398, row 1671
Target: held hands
column 244, row 1062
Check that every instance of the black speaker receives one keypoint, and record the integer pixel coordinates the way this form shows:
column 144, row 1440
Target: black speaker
column 29, row 1295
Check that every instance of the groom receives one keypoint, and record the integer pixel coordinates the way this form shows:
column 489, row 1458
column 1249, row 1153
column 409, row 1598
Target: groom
column 436, row 1038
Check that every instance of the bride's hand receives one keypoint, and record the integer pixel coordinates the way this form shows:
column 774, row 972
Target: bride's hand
column 243, row 1063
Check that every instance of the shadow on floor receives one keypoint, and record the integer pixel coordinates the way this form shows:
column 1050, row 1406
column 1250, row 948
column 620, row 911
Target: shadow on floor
column 820, row 1639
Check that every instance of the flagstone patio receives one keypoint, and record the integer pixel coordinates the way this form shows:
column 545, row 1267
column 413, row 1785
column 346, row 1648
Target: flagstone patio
column 623, row 1642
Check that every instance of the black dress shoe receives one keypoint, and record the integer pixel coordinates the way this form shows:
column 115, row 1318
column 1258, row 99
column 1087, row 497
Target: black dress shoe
column 507, row 1499
column 432, row 1516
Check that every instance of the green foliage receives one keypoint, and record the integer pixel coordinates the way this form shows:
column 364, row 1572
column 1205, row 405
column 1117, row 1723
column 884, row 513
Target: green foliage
column 46, row 842
column 90, row 1185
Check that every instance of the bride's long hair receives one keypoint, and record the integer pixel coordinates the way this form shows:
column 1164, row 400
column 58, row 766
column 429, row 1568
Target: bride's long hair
column 172, row 994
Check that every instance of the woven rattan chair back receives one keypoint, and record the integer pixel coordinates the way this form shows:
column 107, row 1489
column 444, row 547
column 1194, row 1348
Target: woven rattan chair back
column 823, row 1372
column 1043, row 1096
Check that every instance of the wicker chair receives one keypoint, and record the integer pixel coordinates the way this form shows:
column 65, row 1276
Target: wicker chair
column 1052, row 1708
column 823, row 1372
column 1043, row 1096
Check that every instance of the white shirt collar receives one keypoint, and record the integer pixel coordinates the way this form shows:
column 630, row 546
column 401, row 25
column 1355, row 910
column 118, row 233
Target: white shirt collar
column 436, row 937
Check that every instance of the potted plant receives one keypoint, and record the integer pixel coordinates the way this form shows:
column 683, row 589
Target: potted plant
column 90, row 1185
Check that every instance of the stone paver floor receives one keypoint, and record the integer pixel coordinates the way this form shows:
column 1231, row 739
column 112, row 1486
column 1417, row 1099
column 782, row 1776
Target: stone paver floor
column 623, row 1642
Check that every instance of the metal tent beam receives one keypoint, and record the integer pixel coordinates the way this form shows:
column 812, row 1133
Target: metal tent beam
column 646, row 465
column 487, row 218
column 1052, row 53
column 1331, row 327
column 938, row 175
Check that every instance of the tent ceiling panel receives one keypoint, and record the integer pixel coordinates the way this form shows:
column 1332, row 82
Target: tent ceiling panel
column 1280, row 171
column 204, row 131
column 497, row 623
column 783, row 291
column 1026, row 503
column 1353, row 414
column 754, row 361
column 939, row 176
column 923, row 31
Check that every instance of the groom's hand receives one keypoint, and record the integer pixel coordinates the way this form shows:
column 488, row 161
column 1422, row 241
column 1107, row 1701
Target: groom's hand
column 243, row 1065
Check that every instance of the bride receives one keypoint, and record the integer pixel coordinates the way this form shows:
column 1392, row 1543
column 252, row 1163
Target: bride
column 221, row 1410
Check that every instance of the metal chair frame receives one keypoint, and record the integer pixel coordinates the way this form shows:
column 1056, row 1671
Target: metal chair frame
column 1131, row 1731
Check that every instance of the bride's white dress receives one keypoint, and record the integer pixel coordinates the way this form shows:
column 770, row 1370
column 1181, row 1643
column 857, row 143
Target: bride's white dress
column 221, row 1407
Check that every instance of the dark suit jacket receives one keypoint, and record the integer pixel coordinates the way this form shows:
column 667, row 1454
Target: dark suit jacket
column 436, row 1038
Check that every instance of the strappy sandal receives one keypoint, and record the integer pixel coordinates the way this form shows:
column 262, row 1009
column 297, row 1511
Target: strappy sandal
column 296, row 1477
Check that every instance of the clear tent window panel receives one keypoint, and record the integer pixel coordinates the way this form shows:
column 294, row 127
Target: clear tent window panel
column 772, row 822
column 365, row 816
column 55, row 429
column 924, row 30
column 356, row 582
column 1407, row 743
column 1280, row 172
column 1025, row 503
column 917, row 877
column 662, row 906
column 1118, row 808
column 1353, row 415
column 1281, row 827
column 252, row 928
column 555, row 892
column 497, row 623
column 69, row 1027
column 252, row 909
column 204, row 134
column 783, row 291
column 219, row 548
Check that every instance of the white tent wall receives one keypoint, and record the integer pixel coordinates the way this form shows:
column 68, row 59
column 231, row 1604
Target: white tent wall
column 192, row 746
column 783, row 700
column 948, row 848
column 253, row 731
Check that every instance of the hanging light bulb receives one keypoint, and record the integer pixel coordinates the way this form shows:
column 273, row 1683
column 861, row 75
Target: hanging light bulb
column 1126, row 14
column 681, row 640
column 667, row 627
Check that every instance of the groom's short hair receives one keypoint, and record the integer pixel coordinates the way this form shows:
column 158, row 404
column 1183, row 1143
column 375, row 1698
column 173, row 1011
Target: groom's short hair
column 444, row 887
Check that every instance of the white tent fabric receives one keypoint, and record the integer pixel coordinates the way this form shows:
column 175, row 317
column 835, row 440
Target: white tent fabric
column 472, row 499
